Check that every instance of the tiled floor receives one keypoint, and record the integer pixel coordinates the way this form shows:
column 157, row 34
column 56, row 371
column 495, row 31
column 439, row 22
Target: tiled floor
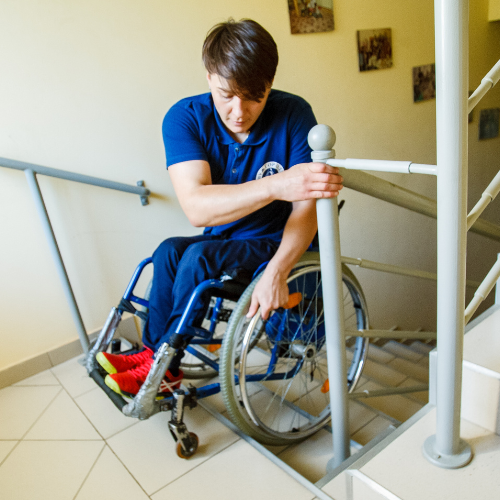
column 62, row 439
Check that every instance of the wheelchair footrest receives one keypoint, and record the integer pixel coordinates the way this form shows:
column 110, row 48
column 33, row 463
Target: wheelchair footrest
column 117, row 400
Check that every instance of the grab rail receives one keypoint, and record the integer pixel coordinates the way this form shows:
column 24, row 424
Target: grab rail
column 31, row 171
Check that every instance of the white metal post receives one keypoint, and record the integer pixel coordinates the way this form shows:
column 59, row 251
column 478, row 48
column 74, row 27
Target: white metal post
column 445, row 448
column 322, row 139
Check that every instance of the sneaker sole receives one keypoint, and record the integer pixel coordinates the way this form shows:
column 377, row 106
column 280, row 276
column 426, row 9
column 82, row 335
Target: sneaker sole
column 101, row 359
column 116, row 388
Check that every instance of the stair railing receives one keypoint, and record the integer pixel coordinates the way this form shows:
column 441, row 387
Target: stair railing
column 31, row 172
column 445, row 448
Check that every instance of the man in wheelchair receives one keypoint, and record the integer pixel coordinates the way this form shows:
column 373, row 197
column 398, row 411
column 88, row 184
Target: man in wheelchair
column 239, row 162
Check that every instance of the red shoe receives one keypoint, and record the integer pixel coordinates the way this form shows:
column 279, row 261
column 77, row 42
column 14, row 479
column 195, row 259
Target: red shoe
column 118, row 363
column 128, row 383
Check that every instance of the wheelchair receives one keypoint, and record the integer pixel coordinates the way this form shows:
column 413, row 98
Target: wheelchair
column 272, row 374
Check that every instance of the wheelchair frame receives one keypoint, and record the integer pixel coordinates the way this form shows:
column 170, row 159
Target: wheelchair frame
column 145, row 404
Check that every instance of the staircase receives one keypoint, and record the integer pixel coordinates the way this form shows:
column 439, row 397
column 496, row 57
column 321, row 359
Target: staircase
column 391, row 364
column 393, row 467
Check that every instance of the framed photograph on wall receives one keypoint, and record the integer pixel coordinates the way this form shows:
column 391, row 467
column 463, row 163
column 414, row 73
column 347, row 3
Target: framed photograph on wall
column 310, row 16
column 374, row 49
column 488, row 123
column 424, row 82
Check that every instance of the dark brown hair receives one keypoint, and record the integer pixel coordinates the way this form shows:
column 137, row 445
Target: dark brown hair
column 244, row 54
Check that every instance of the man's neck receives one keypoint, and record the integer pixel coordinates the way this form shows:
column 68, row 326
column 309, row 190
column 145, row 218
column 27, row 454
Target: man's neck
column 239, row 137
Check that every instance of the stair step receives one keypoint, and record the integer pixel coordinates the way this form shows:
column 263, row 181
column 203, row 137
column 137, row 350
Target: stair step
column 419, row 346
column 410, row 369
column 384, row 374
column 403, row 351
column 379, row 355
column 397, row 406
column 371, row 430
column 420, row 397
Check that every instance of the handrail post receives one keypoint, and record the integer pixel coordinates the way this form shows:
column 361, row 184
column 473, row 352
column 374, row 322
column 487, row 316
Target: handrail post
column 322, row 139
column 445, row 448
column 51, row 239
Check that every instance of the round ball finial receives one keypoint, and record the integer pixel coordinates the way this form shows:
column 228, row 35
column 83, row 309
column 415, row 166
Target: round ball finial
column 321, row 138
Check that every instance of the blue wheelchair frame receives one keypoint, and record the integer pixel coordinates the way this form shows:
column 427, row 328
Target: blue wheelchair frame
column 205, row 336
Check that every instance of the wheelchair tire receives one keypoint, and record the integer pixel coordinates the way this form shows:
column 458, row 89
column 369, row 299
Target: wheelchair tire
column 287, row 410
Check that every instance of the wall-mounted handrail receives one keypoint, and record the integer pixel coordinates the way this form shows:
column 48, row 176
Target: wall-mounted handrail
column 31, row 171
column 489, row 81
column 489, row 194
column 391, row 193
column 84, row 179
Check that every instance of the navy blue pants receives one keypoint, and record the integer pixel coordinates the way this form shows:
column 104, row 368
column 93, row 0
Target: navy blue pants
column 182, row 263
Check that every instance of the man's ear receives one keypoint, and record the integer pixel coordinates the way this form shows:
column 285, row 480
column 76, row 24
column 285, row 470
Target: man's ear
column 208, row 80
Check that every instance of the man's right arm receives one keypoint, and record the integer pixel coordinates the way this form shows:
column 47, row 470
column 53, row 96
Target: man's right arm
column 206, row 204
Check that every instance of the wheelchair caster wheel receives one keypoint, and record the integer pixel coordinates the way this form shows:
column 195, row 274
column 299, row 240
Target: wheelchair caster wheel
column 193, row 446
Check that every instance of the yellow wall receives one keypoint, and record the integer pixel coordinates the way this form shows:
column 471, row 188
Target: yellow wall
column 84, row 86
column 494, row 11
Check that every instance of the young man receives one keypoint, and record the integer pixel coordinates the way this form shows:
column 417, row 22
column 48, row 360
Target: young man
column 238, row 159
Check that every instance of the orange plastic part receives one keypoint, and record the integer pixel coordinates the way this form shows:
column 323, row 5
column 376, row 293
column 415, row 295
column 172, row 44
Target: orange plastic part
column 293, row 300
column 326, row 387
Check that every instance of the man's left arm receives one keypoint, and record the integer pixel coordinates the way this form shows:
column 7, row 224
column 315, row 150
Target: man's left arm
column 271, row 291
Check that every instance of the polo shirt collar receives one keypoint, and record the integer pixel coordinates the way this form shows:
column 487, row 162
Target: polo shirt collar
column 258, row 134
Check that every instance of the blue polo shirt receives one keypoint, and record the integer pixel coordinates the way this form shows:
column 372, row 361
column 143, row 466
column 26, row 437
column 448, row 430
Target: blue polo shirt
column 192, row 130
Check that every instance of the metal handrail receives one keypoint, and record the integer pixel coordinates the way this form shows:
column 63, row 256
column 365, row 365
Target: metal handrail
column 391, row 193
column 489, row 81
column 445, row 448
column 31, row 171
column 489, row 194
column 84, row 179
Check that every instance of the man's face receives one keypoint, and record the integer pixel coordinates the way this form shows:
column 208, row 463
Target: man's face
column 237, row 114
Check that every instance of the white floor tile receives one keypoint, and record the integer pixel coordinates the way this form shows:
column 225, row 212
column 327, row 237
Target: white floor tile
column 239, row 472
column 21, row 406
column 148, row 451
column 362, row 491
column 338, row 487
column 106, row 418
column 43, row 378
column 5, row 448
column 73, row 376
column 110, row 480
column 401, row 466
column 310, row 457
column 47, row 470
column 62, row 420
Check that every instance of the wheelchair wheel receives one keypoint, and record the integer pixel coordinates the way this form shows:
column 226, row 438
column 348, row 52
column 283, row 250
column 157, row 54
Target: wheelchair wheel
column 276, row 391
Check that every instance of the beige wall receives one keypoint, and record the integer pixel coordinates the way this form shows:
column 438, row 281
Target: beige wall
column 84, row 86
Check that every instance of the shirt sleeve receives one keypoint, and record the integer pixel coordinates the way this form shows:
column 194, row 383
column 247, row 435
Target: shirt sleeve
column 302, row 121
column 181, row 136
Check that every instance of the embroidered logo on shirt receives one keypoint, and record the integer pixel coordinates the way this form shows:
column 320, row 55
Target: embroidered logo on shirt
column 269, row 168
